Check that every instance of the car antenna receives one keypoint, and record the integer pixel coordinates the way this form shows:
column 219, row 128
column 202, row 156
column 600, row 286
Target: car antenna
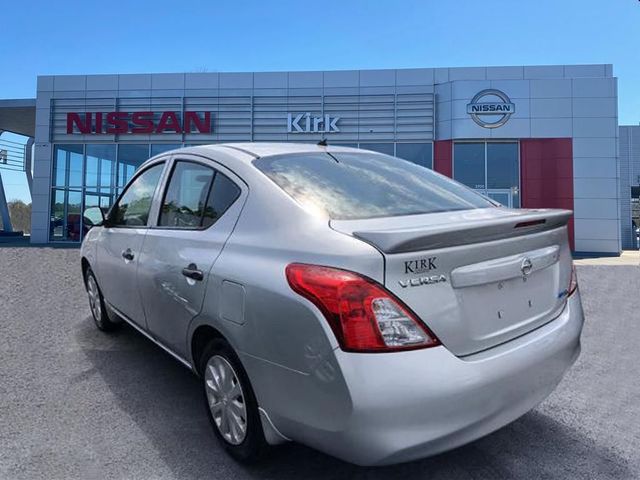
column 323, row 143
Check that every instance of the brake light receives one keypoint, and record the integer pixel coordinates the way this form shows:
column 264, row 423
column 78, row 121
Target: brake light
column 530, row 223
column 573, row 282
column 363, row 315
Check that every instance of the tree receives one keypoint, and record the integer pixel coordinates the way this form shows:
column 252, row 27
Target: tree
column 20, row 214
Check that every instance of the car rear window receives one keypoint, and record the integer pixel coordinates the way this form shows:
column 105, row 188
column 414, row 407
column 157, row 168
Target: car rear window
column 348, row 186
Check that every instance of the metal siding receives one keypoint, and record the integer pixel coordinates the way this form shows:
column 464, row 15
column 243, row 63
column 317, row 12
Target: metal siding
column 629, row 145
column 380, row 117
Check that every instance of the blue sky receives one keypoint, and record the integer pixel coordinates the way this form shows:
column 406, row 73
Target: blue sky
column 77, row 37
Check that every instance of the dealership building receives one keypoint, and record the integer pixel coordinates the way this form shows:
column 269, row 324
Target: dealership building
column 630, row 182
column 526, row 136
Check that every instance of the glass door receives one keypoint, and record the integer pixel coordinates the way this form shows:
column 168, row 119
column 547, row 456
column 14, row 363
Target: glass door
column 492, row 168
column 469, row 166
column 503, row 170
column 503, row 197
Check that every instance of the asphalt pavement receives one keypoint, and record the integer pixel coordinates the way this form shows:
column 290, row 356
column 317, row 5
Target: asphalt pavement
column 76, row 403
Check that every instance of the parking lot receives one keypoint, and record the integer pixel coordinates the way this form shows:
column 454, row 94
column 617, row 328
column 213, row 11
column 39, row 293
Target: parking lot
column 77, row 403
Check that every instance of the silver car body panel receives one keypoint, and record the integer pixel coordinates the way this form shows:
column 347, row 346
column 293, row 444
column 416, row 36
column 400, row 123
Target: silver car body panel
column 474, row 294
column 413, row 233
column 366, row 408
column 116, row 275
column 171, row 300
column 113, row 310
column 505, row 268
column 414, row 404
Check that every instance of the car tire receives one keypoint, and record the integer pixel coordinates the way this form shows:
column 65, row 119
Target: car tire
column 97, row 304
column 231, row 403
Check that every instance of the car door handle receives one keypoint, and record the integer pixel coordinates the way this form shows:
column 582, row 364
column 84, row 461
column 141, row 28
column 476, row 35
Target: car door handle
column 127, row 254
column 192, row 272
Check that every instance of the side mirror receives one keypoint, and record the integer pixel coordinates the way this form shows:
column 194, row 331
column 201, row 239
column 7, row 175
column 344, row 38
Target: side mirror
column 93, row 217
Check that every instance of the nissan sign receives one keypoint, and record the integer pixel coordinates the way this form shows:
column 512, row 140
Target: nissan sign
column 112, row 123
column 491, row 108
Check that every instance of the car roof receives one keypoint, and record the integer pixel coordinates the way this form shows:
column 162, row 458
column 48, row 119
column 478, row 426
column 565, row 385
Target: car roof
column 246, row 152
column 266, row 149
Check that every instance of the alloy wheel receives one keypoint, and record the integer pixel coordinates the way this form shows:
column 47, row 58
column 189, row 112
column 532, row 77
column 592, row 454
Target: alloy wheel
column 226, row 399
column 94, row 298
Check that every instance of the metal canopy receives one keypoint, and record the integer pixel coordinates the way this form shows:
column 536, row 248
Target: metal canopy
column 18, row 116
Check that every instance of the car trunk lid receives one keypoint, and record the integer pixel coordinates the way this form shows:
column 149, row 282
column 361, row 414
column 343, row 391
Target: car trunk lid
column 477, row 278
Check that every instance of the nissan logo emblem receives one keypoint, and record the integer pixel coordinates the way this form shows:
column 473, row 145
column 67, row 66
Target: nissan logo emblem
column 491, row 114
column 526, row 267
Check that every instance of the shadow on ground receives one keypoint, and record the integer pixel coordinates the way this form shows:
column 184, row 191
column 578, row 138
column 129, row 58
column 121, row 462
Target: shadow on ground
column 164, row 400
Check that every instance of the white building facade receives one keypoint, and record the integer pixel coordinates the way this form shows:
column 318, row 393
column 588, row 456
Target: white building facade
column 527, row 136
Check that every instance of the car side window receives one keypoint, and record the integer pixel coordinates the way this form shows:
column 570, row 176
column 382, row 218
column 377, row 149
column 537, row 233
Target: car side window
column 223, row 193
column 197, row 196
column 132, row 209
column 186, row 197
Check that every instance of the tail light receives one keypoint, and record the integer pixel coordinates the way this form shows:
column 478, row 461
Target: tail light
column 573, row 282
column 363, row 315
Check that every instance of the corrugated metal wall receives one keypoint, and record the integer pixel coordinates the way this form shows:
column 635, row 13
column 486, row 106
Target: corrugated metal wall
column 629, row 176
column 363, row 118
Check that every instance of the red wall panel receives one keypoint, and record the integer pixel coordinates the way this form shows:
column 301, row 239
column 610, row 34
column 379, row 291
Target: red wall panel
column 443, row 157
column 546, row 170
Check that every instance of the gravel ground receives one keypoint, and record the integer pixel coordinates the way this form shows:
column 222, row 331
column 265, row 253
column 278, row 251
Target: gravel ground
column 76, row 403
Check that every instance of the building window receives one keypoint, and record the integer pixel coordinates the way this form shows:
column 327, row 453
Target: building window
column 68, row 165
column 418, row 153
column 469, row 164
column 340, row 144
column 66, row 200
column 503, row 171
column 66, row 213
column 89, row 175
column 100, row 166
column 386, row 148
column 130, row 157
column 57, row 227
column 492, row 168
column 158, row 148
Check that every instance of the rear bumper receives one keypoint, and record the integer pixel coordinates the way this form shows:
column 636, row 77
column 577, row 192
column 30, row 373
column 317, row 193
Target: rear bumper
column 409, row 405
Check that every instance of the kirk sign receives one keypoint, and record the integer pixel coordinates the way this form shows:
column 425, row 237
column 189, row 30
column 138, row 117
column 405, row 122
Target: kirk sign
column 305, row 123
column 111, row 123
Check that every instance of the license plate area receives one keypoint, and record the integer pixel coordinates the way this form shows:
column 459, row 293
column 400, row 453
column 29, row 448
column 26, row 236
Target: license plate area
column 496, row 308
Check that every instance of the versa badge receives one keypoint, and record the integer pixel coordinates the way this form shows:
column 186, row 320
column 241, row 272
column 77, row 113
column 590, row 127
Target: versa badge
column 417, row 282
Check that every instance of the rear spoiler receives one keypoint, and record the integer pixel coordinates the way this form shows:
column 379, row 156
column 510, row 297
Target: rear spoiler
column 427, row 237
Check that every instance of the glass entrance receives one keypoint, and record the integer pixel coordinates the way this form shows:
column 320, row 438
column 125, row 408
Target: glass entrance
column 492, row 168
column 504, row 197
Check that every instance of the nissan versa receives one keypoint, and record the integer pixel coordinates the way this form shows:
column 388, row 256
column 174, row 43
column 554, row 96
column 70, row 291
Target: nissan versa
column 344, row 299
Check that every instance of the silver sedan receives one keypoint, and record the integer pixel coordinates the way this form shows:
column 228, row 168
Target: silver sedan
column 344, row 299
